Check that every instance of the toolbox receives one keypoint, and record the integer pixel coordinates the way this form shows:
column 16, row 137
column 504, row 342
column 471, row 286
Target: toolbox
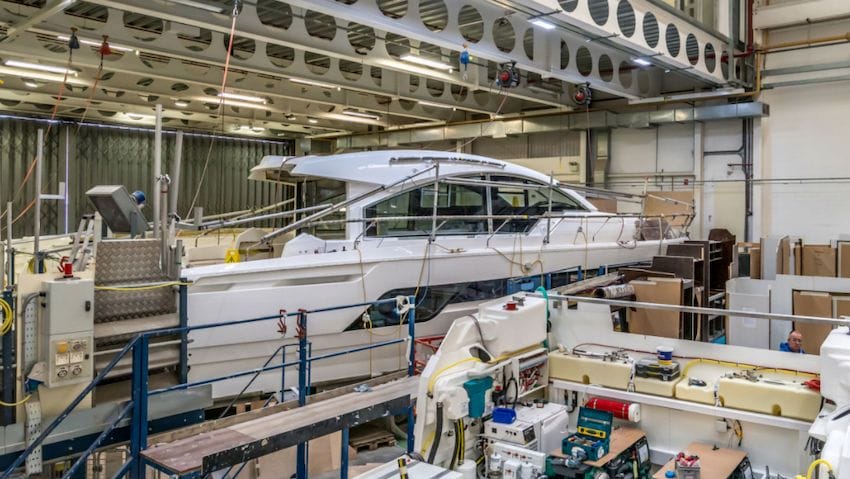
column 593, row 435
column 650, row 368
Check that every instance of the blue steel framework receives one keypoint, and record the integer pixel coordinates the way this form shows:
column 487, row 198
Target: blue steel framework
column 137, row 406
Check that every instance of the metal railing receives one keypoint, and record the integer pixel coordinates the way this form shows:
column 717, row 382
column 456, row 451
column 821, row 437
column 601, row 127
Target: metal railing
column 137, row 406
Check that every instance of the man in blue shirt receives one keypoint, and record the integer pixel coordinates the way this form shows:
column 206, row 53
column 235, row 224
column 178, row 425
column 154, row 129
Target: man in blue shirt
column 794, row 343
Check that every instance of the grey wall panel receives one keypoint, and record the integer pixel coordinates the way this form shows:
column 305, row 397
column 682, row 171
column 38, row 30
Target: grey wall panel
column 116, row 155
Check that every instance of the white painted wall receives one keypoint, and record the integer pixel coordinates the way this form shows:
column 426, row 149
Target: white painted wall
column 805, row 137
column 666, row 156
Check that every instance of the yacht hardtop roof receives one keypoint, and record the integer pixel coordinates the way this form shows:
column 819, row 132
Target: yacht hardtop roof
column 383, row 167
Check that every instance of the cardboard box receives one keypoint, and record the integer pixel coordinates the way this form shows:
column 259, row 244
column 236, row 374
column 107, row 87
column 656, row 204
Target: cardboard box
column 651, row 321
column 812, row 303
column 818, row 260
column 608, row 205
column 844, row 259
column 674, row 211
column 324, row 457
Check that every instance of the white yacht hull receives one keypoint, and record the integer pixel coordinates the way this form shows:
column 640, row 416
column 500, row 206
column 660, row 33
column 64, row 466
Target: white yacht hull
column 261, row 288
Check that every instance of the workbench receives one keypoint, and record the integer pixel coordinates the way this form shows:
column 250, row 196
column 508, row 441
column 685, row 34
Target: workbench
column 714, row 463
column 622, row 438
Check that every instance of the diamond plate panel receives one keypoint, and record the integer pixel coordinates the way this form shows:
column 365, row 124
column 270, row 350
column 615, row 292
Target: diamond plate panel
column 127, row 262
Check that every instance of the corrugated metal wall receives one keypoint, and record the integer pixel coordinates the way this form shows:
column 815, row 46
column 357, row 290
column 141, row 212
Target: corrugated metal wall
column 115, row 155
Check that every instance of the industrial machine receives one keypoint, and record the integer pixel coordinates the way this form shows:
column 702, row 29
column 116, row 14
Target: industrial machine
column 539, row 427
column 67, row 331
column 477, row 399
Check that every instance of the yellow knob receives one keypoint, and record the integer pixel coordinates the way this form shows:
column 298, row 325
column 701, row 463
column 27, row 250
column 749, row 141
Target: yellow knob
column 62, row 347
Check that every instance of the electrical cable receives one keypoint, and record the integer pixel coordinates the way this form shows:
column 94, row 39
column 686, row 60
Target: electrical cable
column 456, row 446
column 22, row 401
column 8, row 317
column 141, row 288
column 461, row 452
column 432, row 454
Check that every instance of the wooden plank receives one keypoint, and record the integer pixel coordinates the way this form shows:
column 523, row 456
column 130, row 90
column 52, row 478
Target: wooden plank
column 243, row 441
column 656, row 205
column 207, row 426
column 714, row 463
column 812, row 303
column 656, row 322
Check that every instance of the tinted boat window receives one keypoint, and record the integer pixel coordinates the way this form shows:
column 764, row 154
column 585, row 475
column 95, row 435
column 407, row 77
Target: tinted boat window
column 408, row 213
column 531, row 200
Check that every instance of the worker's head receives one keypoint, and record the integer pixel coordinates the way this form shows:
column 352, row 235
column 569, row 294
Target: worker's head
column 795, row 341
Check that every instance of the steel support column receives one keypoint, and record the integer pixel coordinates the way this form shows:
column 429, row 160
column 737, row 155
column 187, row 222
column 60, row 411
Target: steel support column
column 303, row 363
column 411, row 370
column 139, row 395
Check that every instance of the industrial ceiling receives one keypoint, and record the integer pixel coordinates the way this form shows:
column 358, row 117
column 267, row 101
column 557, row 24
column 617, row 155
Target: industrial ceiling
column 330, row 68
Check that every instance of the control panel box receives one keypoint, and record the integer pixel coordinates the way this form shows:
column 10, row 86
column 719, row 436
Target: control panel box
column 67, row 331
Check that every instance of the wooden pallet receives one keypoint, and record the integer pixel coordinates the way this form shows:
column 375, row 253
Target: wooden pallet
column 370, row 437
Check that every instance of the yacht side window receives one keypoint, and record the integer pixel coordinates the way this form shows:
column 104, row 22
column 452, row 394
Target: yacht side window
column 527, row 197
column 409, row 213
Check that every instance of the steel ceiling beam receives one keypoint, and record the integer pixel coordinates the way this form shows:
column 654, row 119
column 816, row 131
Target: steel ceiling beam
column 551, row 123
column 18, row 97
column 289, row 97
column 546, row 57
column 48, row 10
column 642, row 29
column 297, row 36
column 385, row 101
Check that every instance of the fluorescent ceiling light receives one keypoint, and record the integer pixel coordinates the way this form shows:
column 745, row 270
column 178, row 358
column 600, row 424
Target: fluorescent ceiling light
column 39, row 67
column 181, row 104
column 239, row 104
column 436, row 105
column 237, row 96
column 361, row 114
column 312, row 120
column 95, row 43
column 315, row 83
column 543, row 24
column 642, row 62
column 30, row 75
column 31, row 83
column 290, row 117
column 427, row 62
column 257, row 129
column 201, row 5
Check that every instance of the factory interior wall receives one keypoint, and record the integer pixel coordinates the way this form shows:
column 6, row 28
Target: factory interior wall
column 110, row 155
column 697, row 157
column 806, row 137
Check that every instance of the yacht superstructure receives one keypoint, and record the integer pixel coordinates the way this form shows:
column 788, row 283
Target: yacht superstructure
column 454, row 230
